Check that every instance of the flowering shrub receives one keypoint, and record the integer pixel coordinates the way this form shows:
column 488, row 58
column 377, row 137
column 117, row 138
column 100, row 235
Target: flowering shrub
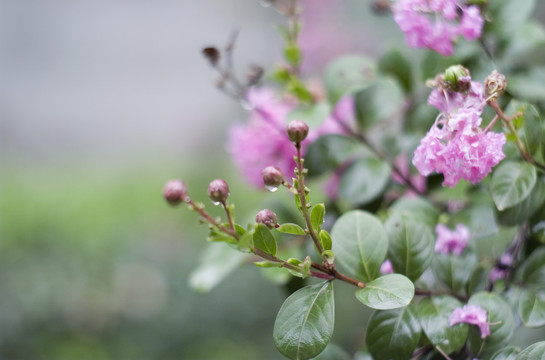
column 436, row 292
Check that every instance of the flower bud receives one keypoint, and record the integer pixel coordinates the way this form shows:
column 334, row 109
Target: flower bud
column 174, row 192
column 218, row 191
column 297, row 131
column 212, row 55
column 457, row 78
column 272, row 176
column 266, row 217
column 495, row 84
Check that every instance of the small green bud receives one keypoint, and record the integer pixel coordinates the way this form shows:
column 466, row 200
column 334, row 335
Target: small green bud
column 457, row 78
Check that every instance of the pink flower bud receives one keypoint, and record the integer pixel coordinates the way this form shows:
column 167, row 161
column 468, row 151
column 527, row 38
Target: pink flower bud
column 218, row 191
column 272, row 176
column 174, row 192
column 495, row 84
column 297, row 131
column 266, row 217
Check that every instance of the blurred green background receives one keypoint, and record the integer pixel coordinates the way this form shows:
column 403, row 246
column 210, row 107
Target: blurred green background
column 103, row 102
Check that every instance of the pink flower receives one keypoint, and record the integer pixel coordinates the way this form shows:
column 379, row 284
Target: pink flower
column 434, row 24
column 471, row 314
column 451, row 241
column 456, row 146
column 263, row 141
column 386, row 267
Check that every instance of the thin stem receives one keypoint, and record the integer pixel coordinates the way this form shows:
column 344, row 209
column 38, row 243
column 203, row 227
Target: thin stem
column 443, row 353
column 337, row 275
column 211, row 220
column 302, row 197
column 228, row 213
column 492, row 123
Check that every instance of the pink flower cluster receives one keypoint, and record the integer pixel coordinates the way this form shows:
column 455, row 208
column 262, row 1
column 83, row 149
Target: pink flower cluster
column 263, row 141
column 451, row 241
column 435, row 24
column 471, row 314
column 456, row 146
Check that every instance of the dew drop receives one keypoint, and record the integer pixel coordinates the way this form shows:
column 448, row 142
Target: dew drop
column 216, row 203
column 266, row 3
column 271, row 188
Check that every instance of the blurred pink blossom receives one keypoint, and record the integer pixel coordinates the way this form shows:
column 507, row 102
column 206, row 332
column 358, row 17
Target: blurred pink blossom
column 451, row 241
column 471, row 314
column 435, row 24
column 263, row 140
column 386, row 267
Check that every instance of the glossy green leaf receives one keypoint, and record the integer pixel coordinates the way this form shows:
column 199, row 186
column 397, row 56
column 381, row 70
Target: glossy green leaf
column 508, row 353
column 317, row 216
column 364, row 180
column 512, row 182
column 330, row 151
column 380, row 101
column 433, row 314
column 325, row 240
column 454, row 270
column 397, row 65
column 416, row 208
column 289, row 228
column 264, row 239
column 524, row 210
column 533, row 352
column 392, row 334
column 387, row 292
column 531, row 309
column 500, row 319
column 411, row 245
column 304, row 324
column 533, row 270
column 360, row 244
column 347, row 75
column 217, row 262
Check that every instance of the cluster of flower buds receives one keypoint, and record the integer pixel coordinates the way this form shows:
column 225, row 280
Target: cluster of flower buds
column 175, row 192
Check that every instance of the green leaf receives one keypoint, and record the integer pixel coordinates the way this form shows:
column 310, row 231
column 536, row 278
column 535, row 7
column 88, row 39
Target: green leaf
column 433, row 314
column 217, row 262
column 347, row 75
column 533, row 352
column 512, row 183
column 330, row 151
column 531, row 309
column 364, row 181
column 317, row 216
column 524, row 210
column 392, row 334
column 264, row 239
column 416, row 208
column 380, row 101
column 397, row 65
column 524, row 39
column 387, row 292
column 360, row 244
column 292, row 54
column 289, row 228
column 325, row 240
column 508, row 353
column 219, row 236
column 411, row 245
column 304, row 324
column 246, row 242
column 502, row 325
column 509, row 14
column 533, row 270
column 454, row 271
column 534, row 130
